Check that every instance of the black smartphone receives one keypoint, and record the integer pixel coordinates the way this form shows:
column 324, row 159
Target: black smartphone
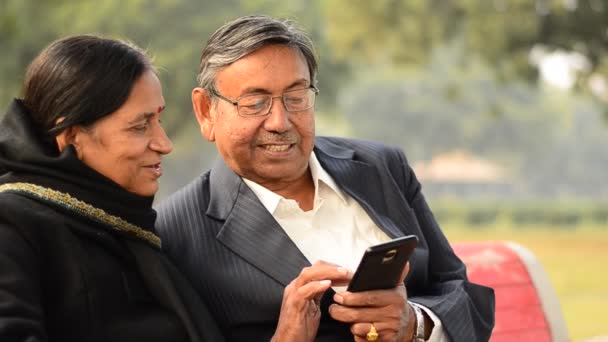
column 382, row 264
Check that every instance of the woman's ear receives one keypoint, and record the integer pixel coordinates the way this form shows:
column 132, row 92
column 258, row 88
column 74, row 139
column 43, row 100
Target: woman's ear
column 67, row 137
column 64, row 138
column 201, row 103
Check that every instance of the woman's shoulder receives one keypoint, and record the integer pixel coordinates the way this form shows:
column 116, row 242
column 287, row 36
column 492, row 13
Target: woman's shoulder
column 18, row 208
column 29, row 218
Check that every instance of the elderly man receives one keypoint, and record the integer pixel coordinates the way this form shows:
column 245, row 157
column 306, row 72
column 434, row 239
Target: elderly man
column 276, row 226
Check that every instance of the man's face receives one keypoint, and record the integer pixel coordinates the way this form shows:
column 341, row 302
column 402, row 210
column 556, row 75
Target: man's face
column 272, row 149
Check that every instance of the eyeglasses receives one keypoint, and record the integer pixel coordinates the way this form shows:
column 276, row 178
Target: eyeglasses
column 297, row 100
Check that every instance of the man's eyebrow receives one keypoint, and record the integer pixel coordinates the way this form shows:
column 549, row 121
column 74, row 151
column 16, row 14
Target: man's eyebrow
column 300, row 82
column 257, row 90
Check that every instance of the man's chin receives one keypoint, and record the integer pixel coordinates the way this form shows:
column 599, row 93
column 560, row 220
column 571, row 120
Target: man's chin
column 286, row 173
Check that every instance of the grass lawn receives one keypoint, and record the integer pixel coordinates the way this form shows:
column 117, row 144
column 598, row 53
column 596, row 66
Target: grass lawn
column 576, row 260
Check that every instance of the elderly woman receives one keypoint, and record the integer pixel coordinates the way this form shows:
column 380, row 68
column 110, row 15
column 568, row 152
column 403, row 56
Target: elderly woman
column 80, row 159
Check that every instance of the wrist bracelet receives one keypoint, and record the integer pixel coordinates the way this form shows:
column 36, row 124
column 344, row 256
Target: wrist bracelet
column 419, row 334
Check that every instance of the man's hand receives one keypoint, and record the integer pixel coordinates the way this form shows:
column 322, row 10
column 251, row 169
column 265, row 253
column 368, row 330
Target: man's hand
column 300, row 312
column 388, row 310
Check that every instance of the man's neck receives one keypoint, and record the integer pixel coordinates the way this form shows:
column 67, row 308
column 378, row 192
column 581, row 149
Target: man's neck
column 301, row 190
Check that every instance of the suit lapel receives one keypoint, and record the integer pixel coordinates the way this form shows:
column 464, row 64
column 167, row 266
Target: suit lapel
column 249, row 229
column 251, row 232
column 356, row 179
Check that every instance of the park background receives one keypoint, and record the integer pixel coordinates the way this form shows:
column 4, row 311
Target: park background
column 500, row 105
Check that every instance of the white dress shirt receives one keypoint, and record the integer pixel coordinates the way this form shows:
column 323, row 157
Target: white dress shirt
column 336, row 230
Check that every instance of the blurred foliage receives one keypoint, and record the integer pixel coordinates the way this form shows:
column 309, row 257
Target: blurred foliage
column 427, row 75
column 173, row 31
column 480, row 214
column 549, row 142
column 401, row 32
column 155, row 25
column 502, row 31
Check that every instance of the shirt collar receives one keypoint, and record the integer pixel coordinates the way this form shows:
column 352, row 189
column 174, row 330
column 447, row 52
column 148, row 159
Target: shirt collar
column 271, row 200
column 319, row 174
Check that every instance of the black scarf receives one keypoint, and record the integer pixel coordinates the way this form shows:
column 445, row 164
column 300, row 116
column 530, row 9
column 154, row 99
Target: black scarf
column 27, row 155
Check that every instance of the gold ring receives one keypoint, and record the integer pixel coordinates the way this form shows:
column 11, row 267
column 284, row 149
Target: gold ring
column 372, row 334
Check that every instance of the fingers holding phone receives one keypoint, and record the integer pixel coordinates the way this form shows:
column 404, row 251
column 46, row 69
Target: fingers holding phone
column 300, row 313
column 388, row 310
column 377, row 292
column 404, row 273
column 322, row 270
column 382, row 265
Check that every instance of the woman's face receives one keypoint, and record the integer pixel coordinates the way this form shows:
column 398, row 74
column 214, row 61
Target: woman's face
column 127, row 146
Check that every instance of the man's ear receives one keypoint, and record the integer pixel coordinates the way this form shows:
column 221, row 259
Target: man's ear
column 201, row 103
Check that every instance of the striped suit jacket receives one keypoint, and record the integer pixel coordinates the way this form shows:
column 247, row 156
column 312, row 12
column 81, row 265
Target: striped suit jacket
column 239, row 259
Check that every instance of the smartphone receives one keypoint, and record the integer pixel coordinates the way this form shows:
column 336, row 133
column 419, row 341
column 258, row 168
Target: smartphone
column 382, row 264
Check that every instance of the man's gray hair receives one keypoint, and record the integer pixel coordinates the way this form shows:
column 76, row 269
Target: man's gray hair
column 244, row 35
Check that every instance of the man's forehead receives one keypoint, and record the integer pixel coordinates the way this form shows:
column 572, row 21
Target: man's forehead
column 272, row 66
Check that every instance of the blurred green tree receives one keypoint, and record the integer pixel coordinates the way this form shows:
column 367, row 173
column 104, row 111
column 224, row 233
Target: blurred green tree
column 405, row 32
column 427, row 75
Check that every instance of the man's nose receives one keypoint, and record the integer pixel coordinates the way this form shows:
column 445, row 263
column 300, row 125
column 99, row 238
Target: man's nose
column 278, row 117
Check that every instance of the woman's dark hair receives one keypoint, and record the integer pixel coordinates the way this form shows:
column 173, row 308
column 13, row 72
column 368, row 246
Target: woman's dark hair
column 81, row 79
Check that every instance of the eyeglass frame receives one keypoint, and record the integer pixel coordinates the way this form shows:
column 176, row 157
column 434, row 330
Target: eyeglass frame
column 236, row 102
